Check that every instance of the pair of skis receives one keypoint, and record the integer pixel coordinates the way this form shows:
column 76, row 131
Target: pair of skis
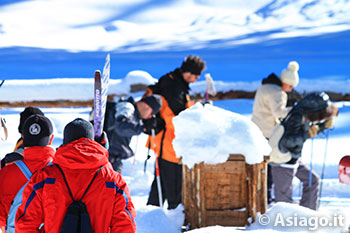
column 100, row 96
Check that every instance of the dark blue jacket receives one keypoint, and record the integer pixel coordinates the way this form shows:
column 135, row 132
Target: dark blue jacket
column 296, row 126
column 127, row 124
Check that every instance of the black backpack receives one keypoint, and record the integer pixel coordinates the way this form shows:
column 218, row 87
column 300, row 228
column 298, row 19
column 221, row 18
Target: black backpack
column 77, row 219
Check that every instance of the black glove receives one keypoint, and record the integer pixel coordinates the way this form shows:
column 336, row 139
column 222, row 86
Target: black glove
column 103, row 140
column 156, row 123
column 149, row 124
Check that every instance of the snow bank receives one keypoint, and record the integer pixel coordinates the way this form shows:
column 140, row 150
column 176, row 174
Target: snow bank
column 286, row 217
column 132, row 78
column 209, row 134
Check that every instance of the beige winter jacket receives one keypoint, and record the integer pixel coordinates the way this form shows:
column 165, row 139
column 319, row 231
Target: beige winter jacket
column 269, row 107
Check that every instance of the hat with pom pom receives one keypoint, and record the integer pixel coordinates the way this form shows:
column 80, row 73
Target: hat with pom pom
column 290, row 75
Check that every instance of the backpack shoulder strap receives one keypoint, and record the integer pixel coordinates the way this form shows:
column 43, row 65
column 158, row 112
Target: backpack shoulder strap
column 25, row 170
column 17, row 200
column 92, row 180
column 65, row 181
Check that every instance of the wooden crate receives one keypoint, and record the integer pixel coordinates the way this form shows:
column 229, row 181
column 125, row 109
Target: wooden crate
column 224, row 194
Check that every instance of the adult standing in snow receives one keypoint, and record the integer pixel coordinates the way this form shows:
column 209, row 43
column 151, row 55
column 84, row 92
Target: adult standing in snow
column 309, row 117
column 37, row 137
column 128, row 122
column 46, row 197
column 270, row 104
column 174, row 89
column 17, row 153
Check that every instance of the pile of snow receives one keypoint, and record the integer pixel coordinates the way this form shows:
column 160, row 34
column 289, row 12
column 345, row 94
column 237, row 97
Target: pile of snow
column 286, row 217
column 210, row 134
column 136, row 77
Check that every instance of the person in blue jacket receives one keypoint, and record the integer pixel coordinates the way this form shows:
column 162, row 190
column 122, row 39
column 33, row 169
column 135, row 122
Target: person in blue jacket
column 309, row 117
column 128, row 122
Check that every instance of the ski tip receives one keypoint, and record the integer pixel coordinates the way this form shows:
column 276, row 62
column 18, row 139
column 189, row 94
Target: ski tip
column 97, row 74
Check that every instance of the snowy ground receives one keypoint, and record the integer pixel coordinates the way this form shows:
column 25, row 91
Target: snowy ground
column 335, row 196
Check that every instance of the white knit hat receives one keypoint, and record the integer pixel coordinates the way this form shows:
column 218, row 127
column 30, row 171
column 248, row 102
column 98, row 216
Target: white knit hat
column 290, row 75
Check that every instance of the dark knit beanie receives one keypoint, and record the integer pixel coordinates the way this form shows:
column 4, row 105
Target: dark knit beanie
column 27, row 112
column 154, row 101
column 193, row 64
column 78, row 128
column 36, row 131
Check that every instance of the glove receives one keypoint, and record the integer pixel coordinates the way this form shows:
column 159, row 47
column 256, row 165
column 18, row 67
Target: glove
column 313, row 131
column 149, row 124
column 156, row 123
column 103, row 140
column 329, row 123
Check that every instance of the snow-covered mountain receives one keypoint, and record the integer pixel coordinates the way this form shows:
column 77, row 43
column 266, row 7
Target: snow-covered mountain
column 143, row 25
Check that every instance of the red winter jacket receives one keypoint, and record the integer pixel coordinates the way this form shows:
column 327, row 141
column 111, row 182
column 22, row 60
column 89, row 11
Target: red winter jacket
column 46, row 197
column 12, row 178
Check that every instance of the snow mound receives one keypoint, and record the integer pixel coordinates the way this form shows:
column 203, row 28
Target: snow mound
column 136, row 77
column 287, row 217
column 209, row 134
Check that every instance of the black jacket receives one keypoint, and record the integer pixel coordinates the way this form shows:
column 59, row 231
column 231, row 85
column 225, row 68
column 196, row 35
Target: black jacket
column 174, row 89
column 296, row 126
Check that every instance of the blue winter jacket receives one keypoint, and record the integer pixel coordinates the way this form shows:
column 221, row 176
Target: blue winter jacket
column 128, row 123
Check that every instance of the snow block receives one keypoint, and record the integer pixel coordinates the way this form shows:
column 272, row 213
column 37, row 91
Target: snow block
column 226, row 194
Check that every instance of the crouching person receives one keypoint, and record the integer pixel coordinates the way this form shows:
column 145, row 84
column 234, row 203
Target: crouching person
column 80, row 176
column 309, row 117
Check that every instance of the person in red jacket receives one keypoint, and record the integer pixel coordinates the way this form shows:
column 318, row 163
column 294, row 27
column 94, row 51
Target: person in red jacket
column 37, row 137
column 46, row 197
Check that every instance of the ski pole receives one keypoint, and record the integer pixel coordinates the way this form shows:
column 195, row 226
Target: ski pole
column 137, row 142
column 310, row 173
column 323, row 166
column 148, row 157
column 157, row 171
column 4, row 129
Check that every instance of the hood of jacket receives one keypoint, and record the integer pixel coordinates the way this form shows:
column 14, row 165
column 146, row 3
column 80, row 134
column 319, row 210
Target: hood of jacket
column 272, row 79
column 83, row 153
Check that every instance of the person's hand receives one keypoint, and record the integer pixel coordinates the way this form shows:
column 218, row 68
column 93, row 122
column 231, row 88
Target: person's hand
column 149, row 124
column 103, row 140
column 313, row 131
column 328, row 124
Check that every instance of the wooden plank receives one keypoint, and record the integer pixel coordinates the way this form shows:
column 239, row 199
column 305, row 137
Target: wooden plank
column 226, row 218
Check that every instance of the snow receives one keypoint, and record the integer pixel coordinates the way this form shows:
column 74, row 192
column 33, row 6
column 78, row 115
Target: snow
column 219, row 121
column 242, row 43
column 215, row 134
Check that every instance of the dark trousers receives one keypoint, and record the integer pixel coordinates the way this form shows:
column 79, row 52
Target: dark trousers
column 283, row 180
column 171, row 182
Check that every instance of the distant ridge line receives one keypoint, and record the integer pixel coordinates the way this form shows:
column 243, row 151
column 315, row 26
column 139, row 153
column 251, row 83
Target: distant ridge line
column 237, row 94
